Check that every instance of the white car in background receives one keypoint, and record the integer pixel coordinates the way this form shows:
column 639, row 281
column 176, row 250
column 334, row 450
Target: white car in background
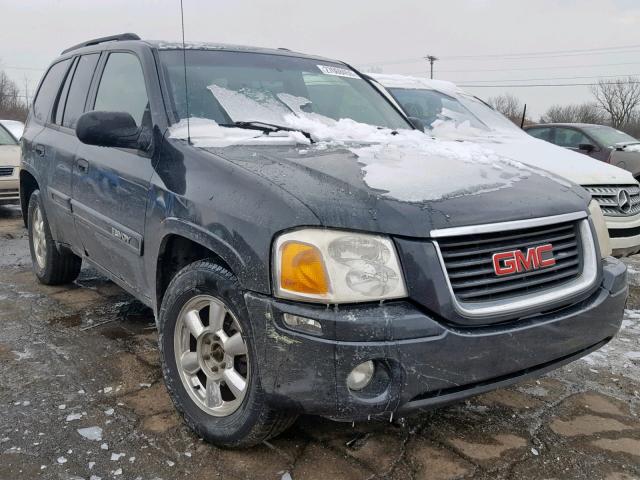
column 450, row 113
column 15, row 127
column 9, row 168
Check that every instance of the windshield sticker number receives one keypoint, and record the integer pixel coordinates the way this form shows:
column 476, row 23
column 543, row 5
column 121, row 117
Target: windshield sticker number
column 337, row 71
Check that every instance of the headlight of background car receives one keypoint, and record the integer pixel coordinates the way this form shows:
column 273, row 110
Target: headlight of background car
column 332, row 266
column 600, row 224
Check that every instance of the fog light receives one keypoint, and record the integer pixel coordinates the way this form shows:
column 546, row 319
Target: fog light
column 303, row 324
column 361, row 376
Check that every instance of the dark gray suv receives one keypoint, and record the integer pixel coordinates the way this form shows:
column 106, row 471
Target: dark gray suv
column 303, row 249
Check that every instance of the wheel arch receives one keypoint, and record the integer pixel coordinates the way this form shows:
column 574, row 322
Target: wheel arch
column 184, row 243
column 28, row 185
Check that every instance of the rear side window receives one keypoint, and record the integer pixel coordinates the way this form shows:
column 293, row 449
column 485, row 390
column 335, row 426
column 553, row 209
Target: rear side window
column 79, row 89
column 58, row 109
column 49, row 90
column 541, row 133
column 122, row 87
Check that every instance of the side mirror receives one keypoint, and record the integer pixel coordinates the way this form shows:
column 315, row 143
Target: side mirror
column 417, row 123
column 587, row 147
column 110, row 129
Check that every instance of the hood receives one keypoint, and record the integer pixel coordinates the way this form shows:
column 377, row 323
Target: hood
column 578, row 168
column 345, row 187
column 9, row 155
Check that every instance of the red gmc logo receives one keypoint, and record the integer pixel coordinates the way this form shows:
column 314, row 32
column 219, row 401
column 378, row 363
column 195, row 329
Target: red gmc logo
column 517, row 261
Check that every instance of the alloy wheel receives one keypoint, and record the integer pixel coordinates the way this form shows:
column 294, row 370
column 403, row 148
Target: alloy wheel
column 39, row 238
column 212, row 355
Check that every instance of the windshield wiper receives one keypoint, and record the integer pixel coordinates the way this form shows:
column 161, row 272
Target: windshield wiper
column 266, row 127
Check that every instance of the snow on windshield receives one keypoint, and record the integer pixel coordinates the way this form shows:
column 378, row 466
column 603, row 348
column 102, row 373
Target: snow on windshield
column 401, row 164
column 250, row 105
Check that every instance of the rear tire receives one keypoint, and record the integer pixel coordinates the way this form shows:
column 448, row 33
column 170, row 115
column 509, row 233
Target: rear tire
column 202, row 299
column 51, row 265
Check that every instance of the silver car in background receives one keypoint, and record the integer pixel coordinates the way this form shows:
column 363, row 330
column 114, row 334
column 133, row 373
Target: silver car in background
column 598, row 141
column 448, row 112
column 9, row 168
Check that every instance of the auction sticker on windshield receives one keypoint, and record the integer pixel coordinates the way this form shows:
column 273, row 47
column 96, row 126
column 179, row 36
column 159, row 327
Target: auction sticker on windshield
column 337, row 71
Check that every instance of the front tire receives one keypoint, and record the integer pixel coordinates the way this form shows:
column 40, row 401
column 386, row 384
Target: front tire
column 51, row 265
column 209, row 360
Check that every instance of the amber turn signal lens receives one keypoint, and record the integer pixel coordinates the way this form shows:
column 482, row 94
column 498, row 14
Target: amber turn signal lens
column 302, row 269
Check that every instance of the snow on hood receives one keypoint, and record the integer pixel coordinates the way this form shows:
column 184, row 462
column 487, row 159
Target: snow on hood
column 402, row 164
column 516, row 144
column 404, row 81
column 576, row 167
column 406, row 173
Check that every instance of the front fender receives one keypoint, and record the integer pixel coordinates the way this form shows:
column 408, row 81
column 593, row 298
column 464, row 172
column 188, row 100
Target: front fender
column 206, row 238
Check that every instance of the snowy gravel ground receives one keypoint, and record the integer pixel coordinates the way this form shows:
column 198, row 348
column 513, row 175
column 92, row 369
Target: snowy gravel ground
column 81, row 397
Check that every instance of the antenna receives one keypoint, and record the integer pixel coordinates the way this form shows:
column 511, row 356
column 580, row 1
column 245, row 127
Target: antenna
column 184, row 63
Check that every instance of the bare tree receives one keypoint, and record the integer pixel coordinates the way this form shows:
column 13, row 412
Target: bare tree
column 509, row 105
column 12, row 104
column 618, row 98
column 581, row 113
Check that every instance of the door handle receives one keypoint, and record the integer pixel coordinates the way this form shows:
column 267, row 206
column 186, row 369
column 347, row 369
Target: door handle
column 83, row 165
column 40, row 150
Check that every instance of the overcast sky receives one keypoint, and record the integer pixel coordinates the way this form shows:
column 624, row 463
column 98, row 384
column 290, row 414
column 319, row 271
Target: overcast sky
column 392, row 35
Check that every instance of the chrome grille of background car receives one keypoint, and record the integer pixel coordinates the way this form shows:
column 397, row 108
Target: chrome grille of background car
column 607, row 198
column 6, row 171
column 469, row 265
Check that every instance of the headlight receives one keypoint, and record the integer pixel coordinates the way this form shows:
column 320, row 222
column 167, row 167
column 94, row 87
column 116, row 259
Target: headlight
column 600, row 225
column 331, row 266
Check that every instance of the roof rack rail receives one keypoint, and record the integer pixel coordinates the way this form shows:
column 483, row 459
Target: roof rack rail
column 96, row 41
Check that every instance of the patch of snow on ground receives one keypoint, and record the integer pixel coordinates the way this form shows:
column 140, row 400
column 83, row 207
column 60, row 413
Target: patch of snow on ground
column 91, row 433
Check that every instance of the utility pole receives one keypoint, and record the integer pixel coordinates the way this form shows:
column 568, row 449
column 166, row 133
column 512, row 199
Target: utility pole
column 431, row 59
column 26, row 91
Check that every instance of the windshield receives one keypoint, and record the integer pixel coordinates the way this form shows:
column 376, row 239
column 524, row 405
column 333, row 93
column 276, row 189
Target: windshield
column 608, row 136
column 435, row 108
column 6, row 138
column 231, row 87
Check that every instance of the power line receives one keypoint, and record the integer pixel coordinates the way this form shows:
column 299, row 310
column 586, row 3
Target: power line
column 514, row 56
column 552, row 53
column 548, row 67
column 536, row 85
column 548, row 78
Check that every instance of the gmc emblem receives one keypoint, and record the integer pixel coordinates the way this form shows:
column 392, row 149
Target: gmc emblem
column 516, row 261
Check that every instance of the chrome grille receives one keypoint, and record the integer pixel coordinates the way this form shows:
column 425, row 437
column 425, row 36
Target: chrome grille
column 468, row 261
column 6, row 171
column 607, row 198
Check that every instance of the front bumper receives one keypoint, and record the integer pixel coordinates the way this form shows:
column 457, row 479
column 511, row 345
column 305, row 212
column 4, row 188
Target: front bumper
column 421, row 361
column 10, row 188
column 624, row 235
